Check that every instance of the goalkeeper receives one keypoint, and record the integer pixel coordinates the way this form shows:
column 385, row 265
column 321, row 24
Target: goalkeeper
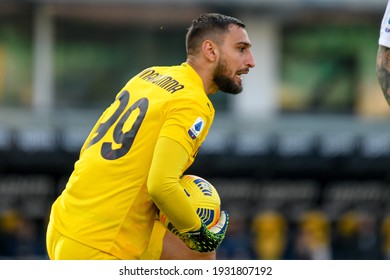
column 130, row 164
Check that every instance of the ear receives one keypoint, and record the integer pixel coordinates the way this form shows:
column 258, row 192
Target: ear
column 210, row 50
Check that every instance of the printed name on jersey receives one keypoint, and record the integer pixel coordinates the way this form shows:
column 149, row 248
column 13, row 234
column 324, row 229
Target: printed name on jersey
column 196, row 128
column 164, row 82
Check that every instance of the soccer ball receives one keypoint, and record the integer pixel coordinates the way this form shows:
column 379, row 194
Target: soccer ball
column 203, row 196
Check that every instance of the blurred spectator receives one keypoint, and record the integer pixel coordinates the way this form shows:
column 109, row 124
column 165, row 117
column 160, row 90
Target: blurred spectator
column 385, row 234
column 19, row 237
column 237, row 244
column 27, row 246
column 369, row 244
column 270, row 235
column 356, row 237
column 345, row 236
column 9, row 223
column 313, row 239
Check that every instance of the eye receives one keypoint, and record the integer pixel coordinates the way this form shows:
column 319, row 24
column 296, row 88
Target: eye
column 243, row 47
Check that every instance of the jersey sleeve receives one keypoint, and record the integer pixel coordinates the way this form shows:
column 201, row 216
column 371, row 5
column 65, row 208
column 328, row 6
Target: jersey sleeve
column 185, row 127
column 163, row 185
column 187, row 122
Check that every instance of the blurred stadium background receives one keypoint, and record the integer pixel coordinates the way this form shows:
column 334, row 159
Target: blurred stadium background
column 301, row 158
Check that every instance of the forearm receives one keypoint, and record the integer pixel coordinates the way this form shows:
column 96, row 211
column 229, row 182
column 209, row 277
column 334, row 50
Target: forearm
column 383, row 71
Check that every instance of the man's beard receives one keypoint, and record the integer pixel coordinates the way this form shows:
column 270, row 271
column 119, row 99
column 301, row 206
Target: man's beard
column 225, row 83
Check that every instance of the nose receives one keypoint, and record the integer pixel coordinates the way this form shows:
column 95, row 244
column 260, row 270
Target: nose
column 250, row 60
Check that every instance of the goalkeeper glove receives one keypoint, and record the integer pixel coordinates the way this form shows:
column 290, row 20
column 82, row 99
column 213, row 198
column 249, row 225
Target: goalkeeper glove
column 207, row 240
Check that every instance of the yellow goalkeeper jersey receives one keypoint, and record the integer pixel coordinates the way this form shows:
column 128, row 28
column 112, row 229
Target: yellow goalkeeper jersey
column 106, row 204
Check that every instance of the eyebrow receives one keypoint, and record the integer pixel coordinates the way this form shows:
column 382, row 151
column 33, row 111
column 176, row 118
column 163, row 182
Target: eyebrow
column 248, row 45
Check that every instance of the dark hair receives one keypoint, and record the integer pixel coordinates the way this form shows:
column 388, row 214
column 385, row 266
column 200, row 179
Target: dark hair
column 208, row 26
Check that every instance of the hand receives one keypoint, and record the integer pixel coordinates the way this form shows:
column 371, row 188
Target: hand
column 207, row 240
